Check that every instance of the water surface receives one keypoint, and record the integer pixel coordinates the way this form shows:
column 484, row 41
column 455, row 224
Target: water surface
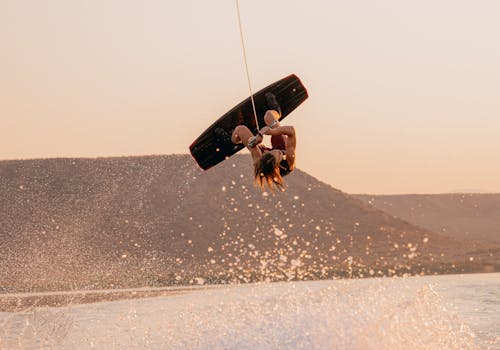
column 435, row 312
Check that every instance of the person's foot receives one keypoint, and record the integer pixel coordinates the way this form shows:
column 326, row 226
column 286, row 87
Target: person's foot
column 222, row 135
column 224, row 142
column 272, row 102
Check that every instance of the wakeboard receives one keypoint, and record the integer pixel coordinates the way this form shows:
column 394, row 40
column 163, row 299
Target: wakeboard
column 214, row 144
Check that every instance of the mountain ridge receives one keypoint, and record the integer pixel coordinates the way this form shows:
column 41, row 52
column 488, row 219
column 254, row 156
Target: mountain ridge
column 160, row 220
column 461, row 215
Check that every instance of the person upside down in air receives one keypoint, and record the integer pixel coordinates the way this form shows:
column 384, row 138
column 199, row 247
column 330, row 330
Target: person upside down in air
column 270, row 164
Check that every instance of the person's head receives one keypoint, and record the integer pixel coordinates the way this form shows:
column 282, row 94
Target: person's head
column 267, row 170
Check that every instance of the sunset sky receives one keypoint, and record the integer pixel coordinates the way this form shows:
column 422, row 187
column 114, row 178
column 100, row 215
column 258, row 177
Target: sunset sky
column 404, row 95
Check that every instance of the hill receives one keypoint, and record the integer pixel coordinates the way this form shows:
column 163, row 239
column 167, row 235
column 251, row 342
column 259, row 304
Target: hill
column 160, row 220
column 465, row 216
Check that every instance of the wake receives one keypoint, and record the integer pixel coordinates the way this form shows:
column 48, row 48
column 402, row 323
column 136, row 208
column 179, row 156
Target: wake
column 348, row 314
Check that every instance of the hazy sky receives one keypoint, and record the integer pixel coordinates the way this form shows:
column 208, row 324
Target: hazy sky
column 404, row 95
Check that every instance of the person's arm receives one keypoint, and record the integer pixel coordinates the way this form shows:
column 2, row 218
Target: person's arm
column 242, row 134
column 255, row 140
column 279, row 130
column 256, row 153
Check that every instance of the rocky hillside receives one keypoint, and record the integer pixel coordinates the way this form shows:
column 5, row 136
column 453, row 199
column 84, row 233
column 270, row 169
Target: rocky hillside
column 467, row 216
column 159, row 220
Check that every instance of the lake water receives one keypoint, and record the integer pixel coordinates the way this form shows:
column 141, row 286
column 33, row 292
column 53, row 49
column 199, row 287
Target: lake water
column 433, row 312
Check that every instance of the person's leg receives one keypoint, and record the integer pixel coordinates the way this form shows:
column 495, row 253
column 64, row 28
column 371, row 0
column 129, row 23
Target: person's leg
column 241, row 134
column 272, row 103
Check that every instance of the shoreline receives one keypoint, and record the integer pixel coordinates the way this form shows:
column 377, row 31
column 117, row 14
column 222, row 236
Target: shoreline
column 25, row 302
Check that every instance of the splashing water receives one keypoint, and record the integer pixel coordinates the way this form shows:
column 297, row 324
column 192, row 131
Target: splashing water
column 349, row 314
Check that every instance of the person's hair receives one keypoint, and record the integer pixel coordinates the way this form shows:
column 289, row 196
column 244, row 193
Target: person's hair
column 267, row 171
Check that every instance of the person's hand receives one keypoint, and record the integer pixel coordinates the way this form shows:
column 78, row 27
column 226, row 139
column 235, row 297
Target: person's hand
column 253, row 141
column 265, row 130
